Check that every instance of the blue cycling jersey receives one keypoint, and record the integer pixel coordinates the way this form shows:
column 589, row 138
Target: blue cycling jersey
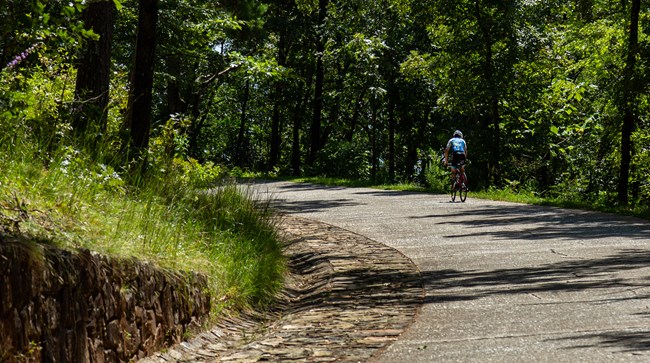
column 456, row 145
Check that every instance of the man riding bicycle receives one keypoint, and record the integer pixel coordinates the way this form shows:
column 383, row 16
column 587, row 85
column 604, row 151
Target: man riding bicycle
column 458, row 149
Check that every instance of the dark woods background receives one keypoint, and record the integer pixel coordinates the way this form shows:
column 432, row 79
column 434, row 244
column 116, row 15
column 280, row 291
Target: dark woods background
column 551, row 95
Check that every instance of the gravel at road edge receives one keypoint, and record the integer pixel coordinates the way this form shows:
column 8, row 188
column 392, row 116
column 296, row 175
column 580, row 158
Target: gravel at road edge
column 345, row 299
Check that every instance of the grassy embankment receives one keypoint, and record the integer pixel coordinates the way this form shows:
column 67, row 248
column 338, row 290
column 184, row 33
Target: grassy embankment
column 69, row 201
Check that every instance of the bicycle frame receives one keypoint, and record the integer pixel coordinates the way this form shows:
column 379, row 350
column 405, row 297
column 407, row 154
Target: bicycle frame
column 459, row 184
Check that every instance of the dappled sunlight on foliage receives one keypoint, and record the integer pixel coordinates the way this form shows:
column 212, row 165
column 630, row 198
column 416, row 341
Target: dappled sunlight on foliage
column 552, row 98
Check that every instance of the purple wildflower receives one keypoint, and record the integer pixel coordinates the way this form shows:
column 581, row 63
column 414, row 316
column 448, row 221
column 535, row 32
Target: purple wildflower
column 22, row 56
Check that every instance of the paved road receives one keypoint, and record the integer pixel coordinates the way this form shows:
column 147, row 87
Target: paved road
column 504, row 282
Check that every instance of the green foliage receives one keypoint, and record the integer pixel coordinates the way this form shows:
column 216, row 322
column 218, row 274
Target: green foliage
column 416, row 66
column 31, row 103
column 346, row 160
column 640, row 181
column 75, row 202
column 55, row 26
column 549, row 71
column 194, row 174
column 437, row 177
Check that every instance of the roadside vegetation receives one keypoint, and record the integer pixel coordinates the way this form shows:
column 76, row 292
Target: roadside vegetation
column 62, row 189
column 187, row 217
column 562, row 201
column 72, row 176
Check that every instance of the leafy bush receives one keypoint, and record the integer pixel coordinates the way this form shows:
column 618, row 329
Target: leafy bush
column 344, row 159
column 438, row 177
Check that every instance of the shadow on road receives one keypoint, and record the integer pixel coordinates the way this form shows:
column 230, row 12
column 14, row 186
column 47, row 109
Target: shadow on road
column 391, row 287
column 625, row 341
column 307, row 206
column 382, row 286
column 595, row 276
column 539, row 223
column 389, row 193
column 301, row 206
column 297, row 186
column 574, row 275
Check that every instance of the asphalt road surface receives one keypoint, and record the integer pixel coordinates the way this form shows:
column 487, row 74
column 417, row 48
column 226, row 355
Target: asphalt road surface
column 504, row 282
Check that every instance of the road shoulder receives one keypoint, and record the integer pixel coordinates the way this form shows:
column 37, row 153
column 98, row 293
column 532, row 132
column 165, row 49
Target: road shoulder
column 346, row 298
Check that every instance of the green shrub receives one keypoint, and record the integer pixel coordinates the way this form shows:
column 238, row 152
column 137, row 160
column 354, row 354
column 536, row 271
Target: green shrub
column 437, row 177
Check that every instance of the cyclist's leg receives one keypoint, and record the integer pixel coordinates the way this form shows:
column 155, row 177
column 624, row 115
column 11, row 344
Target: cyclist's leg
column 454, row 172
column 461, row 163
column 454, row 166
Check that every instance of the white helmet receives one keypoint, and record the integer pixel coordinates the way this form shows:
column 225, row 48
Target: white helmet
column 458, row 133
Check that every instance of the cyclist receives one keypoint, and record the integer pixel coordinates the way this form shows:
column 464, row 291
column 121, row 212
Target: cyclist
column 458, row 149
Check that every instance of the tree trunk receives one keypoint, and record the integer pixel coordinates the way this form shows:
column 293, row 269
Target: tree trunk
column 295, row 144
column 274, row 153
column 296, row 164
column 354, row 120
column 241, row 136
column 392, row 101
column 423, row 143
column 138, row 120
column 374, row 169
column 628, row 103
column 175, row 103
column 492, row 123
column 93, row 72
column 318, row 87
column 278, row 90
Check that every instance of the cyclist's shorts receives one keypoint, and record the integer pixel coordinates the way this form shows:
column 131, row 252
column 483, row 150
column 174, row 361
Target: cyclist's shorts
column 457, row 159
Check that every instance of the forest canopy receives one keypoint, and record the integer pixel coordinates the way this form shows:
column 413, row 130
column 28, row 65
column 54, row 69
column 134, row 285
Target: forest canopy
column 552, row 96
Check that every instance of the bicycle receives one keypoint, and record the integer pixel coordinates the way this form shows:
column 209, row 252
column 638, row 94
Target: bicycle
column 459, row 184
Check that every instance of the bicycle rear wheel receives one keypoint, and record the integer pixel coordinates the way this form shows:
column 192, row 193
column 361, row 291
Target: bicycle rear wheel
column 462, row 192
column 454, row 189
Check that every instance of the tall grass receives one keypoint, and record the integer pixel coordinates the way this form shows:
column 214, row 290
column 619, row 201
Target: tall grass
column 570, row 201
column 245, row 244
column 70, row 201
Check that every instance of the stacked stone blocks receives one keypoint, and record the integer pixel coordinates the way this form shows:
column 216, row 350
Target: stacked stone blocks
column 79, row 306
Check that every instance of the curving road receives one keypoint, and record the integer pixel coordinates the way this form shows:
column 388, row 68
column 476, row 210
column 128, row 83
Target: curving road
column 504, row 282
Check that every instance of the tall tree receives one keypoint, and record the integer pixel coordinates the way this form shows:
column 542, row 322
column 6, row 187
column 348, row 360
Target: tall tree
column 317, row 115
column 242, row 139
column 93, row 71
column 298, row 114
column 629, row 101
column 277, row 96
column 138, row 118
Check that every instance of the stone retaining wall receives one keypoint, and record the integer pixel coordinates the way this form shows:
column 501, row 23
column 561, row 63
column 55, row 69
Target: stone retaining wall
column 61, row 306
